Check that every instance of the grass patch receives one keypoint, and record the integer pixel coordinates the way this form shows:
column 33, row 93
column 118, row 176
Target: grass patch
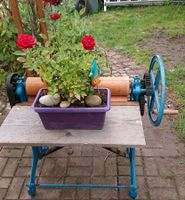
column 126, row 29
column 176, row 81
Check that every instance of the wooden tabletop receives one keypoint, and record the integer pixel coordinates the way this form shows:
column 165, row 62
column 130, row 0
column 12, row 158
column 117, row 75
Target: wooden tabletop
column 123, row 127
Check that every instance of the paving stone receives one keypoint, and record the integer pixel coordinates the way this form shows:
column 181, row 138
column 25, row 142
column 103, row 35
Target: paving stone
column 11, row 167
column 163, row 193
column 161, row 152
column 87, row 150
column 59, row 153
column 13, row 153
column 4, row 183
column 2, row 193
column 160, row 182
column 180, row 181
column 26, row 171
column 48, row 194
column 2, row 164
column 15, row 188
column 98, row 166
column 83, row 193
column 123, row 161
column 170, row 166
column 124, row 170
column 60, row 169
column 124, row 193
column 143, row 192
column 48, row 167
column 77, row 151
column 69, row 193
column 80, row 161
column 150, row 166
column 27, row 152
column 79, row 171
column 26, row 162
column 138, row 152
column 138, row 161
column 104, row 193
column 111, row 166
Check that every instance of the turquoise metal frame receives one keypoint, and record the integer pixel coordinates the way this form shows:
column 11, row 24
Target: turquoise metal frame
column 39, row 153
column 159, row 91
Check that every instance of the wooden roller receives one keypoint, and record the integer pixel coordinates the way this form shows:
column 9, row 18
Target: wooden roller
column 119, row 86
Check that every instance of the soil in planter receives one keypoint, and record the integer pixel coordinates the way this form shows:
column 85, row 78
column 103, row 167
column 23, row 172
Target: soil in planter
column 78, row 104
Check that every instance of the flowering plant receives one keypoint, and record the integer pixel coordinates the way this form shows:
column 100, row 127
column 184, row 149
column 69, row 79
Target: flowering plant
column 67, row 61
column 55, row 16
column 25, row 41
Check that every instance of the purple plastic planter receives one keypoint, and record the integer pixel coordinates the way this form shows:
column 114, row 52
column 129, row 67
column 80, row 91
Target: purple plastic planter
column 72, row 118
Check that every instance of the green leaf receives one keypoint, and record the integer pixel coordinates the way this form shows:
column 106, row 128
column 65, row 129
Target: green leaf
column 19, row 53
column 21, row 59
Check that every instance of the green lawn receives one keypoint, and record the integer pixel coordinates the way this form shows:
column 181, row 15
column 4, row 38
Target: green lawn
column 124, row 28
column 127, row 29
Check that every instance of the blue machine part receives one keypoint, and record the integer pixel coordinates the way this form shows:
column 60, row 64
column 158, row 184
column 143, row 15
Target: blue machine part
column 157, row 100
column 155, row 91
column 20, row 89
column 95, row 70
column 136, row 89
column 37, row 152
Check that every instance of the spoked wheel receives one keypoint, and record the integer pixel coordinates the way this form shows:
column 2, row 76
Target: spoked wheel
column 156, row 102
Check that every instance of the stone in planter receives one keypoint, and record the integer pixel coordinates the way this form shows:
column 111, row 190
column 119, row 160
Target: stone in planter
column 49, row 100
column 93, row 100
column 65, row 104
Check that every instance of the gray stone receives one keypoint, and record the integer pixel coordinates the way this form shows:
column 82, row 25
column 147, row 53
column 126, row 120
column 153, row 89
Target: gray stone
column 49, row 100
column 65, row 104
column 93, row 100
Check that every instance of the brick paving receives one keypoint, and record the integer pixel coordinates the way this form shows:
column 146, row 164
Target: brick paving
column 160, row 165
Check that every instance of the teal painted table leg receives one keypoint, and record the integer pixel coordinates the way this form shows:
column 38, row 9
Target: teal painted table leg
column 133, row 184
column 32, row 184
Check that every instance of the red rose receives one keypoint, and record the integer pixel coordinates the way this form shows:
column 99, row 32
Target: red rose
column 51, row 2
column 88, row 42
column 55, row 16
column 25, row 41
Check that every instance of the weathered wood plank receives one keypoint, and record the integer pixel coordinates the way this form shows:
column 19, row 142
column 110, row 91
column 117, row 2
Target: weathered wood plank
column 16, row 15
column 40, row 11
column 123, row 127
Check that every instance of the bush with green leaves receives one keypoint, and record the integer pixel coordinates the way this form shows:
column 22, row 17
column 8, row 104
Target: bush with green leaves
column 63, row 62
column 8, row 34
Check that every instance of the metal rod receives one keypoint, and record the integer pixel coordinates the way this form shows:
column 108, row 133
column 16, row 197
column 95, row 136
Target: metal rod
column 133, row 184
column 82, row 185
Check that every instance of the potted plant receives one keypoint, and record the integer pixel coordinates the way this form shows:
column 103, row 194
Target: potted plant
column 69, row 63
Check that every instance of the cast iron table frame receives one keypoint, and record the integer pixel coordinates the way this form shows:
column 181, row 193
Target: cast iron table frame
column 39, row 153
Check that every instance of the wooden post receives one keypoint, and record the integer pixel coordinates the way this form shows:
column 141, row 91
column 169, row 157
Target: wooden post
column 40, row 11
column 16, row 15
